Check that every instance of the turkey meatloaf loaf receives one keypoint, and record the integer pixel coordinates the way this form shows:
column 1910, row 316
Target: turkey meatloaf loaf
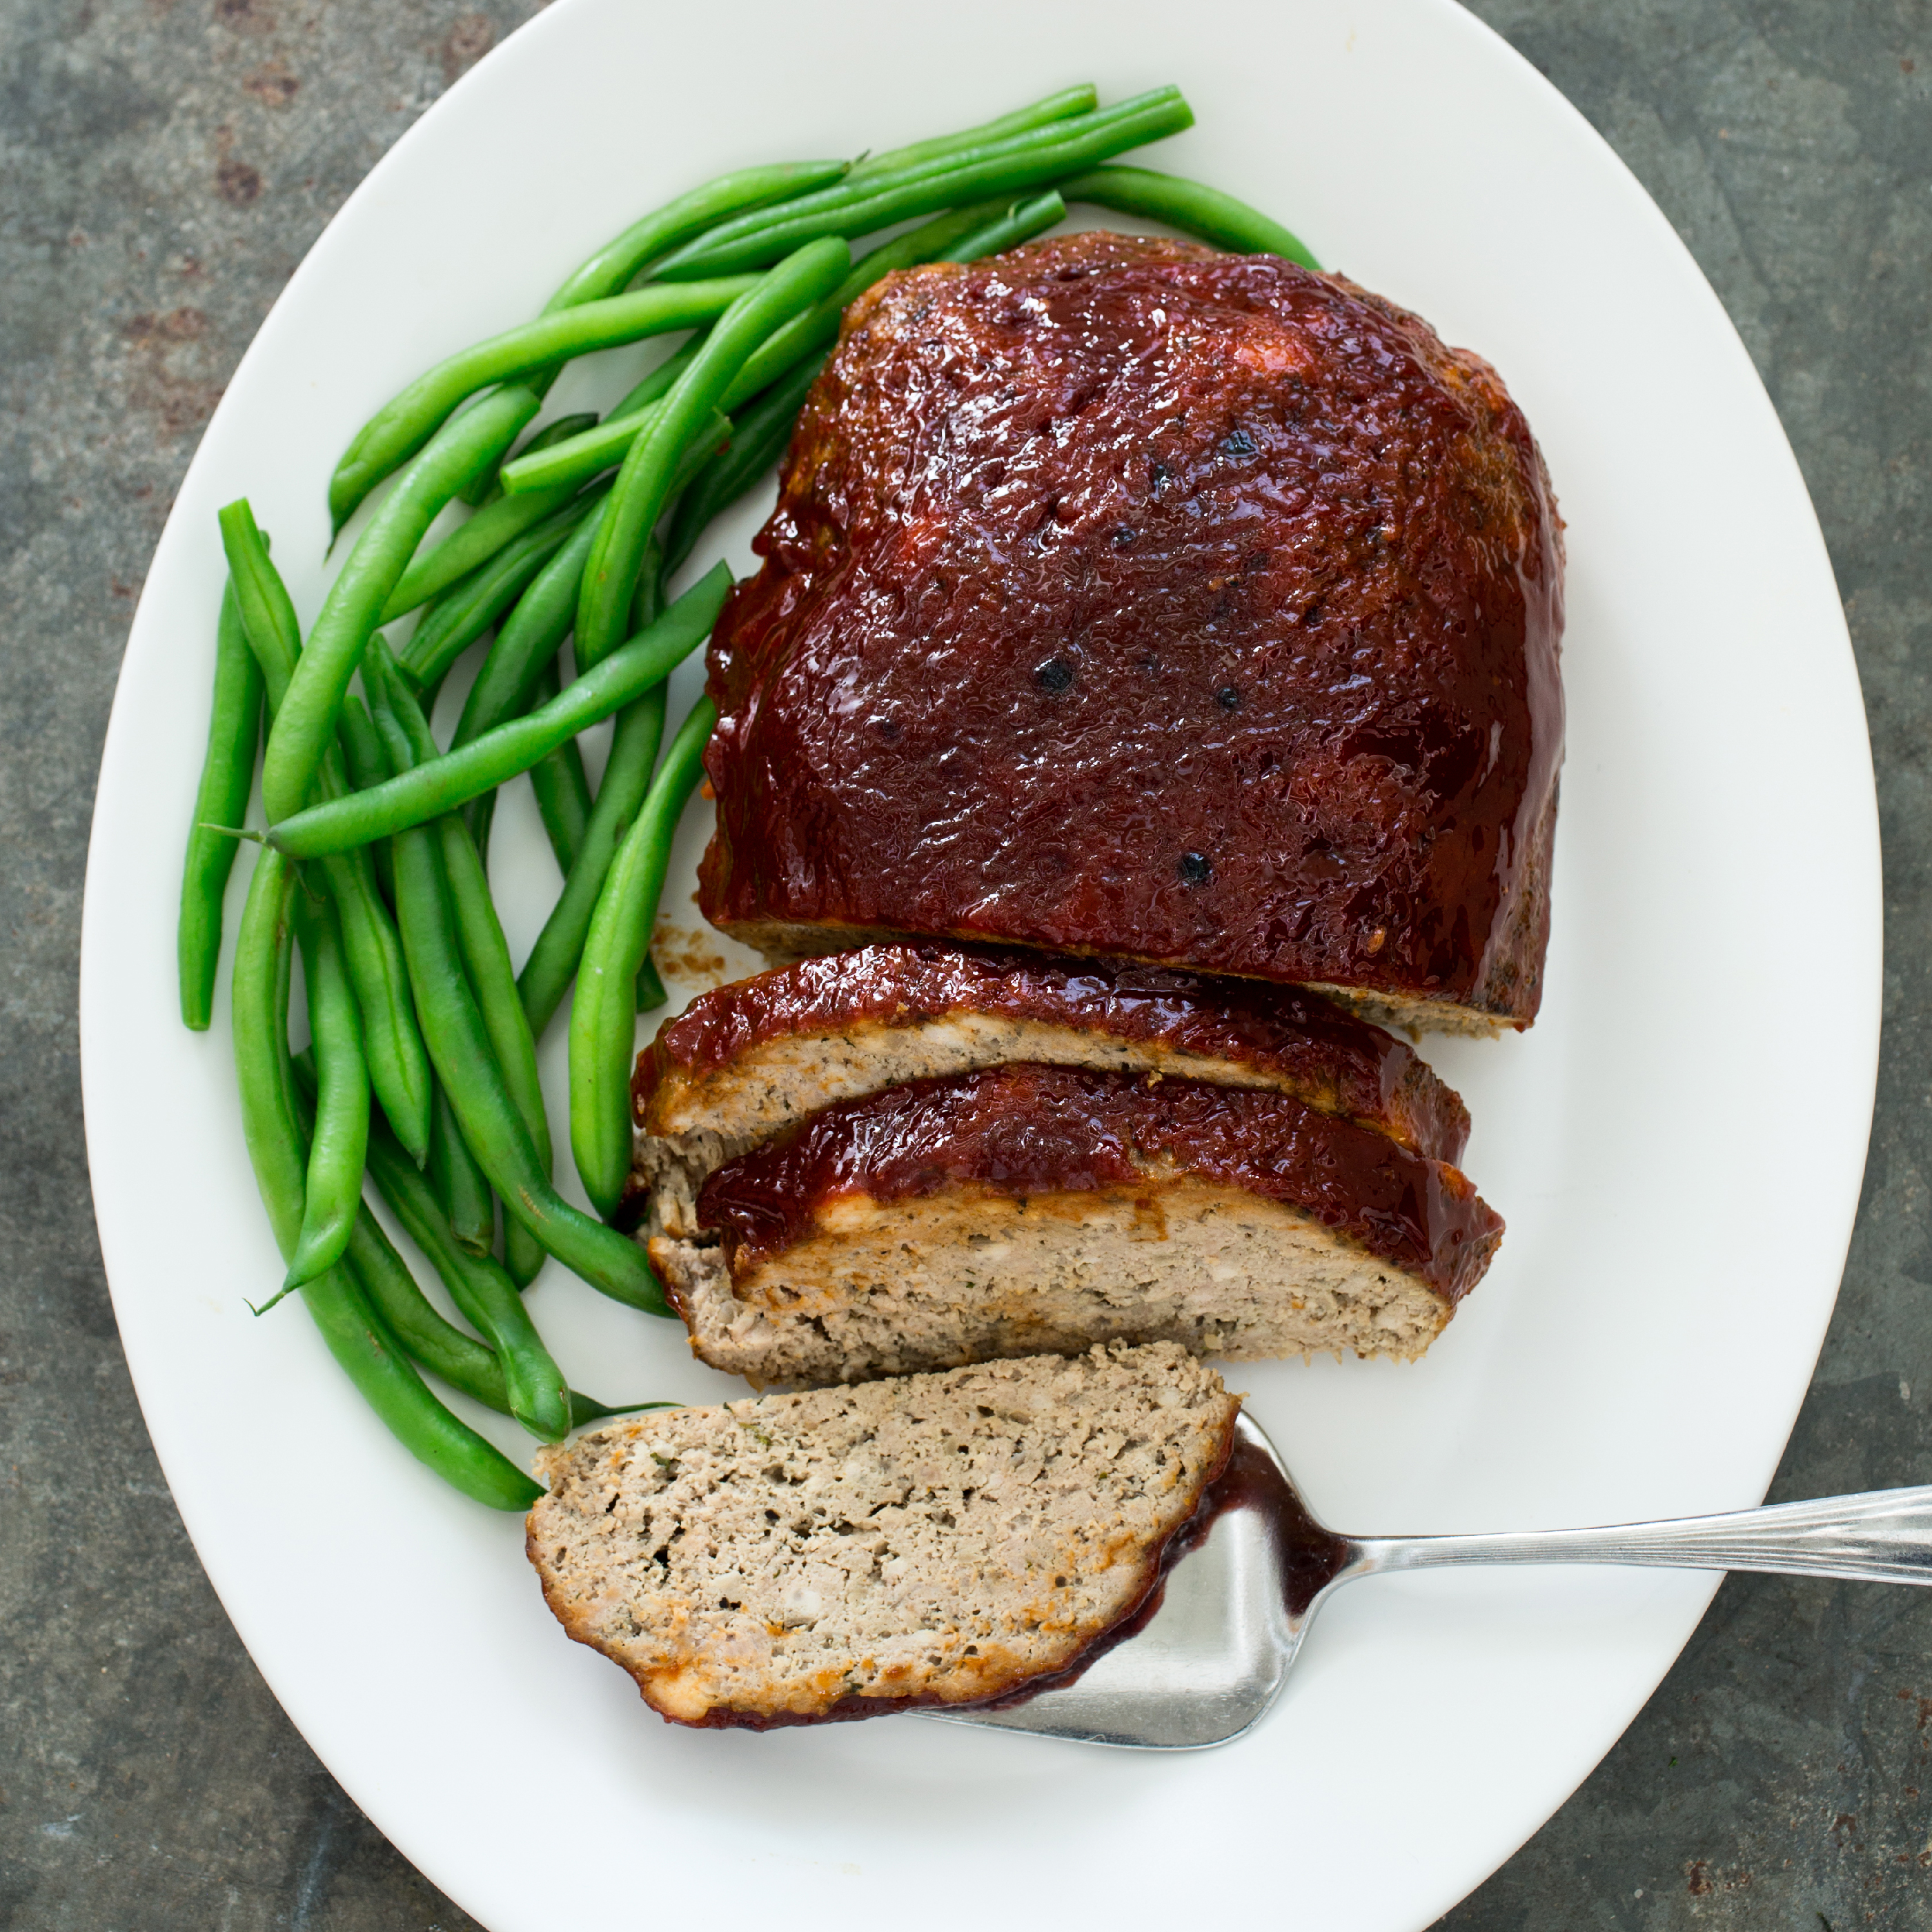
column 1124, row 597
column 937, row 1539
column 750, row 1060
column 1024, row 1208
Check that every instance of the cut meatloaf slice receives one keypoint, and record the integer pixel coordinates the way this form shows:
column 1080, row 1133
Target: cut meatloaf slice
column 752, row 1059
column 937, row 1539
column 1025, row 1208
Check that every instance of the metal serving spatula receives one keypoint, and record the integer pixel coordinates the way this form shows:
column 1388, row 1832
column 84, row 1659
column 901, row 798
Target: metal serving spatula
column 1211, row 1659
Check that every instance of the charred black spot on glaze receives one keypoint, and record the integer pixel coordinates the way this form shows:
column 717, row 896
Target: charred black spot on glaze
column 1195, row 868
column 1055, row 676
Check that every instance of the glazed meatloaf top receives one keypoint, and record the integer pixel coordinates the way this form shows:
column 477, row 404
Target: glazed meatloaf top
column 1028, row 1132
column 748, row 1058
column 1125, row 598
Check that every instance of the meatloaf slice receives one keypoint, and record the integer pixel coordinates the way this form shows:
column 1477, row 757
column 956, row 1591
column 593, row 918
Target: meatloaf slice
column 936, row 1540
column 1122, row 598
column 1026, row 1208
column 749, row 1059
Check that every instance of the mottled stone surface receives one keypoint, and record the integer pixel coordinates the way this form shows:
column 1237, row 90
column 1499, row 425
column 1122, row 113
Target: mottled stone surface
column 167, row 162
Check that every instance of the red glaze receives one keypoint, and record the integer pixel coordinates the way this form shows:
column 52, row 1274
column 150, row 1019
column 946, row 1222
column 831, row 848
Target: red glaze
column 1023, row 1131
column 1343, row 1064
column 1126, row 598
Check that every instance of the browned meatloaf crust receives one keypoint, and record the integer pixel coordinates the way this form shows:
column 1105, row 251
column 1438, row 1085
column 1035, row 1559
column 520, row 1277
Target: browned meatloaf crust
column 747, row 1060
column 1026, row 1208
column 937, row 1539
column 1125, row 598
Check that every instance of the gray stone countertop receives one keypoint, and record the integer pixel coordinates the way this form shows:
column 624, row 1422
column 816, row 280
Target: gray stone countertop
column 167, row 163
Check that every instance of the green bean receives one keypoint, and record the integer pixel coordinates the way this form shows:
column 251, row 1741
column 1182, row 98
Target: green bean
column 759, row 440
column 817, row 327
column 647, row 601
column 603, row 1012
column 588, row 460
column 304, row 723
column 1034, row 159
column 1189, row 206
column 362, row 755
column 398, row 1062
column 651, row 993
column 483, row 488
column 528, row 639
column 488, row 1297
column 362, row 751
column 552, row 963
column 657, row 382
column 460, row 1185
column 562, row 789
column 644, row 484
column 227, row 776
column 459, row 617
column 469, row 1277
column 646, row 605
column 350, row 1326
column 339, row 1138
column 1061, row 106
column 388, row 1382
column 581, row 457
column 493, row 979
column 439, row 1345
column 411, row 797
column 408, row 420
column 264, row 948
column 468, row 1201
column 650, row 603
column 1020, row 222
column 360, row 1341
column 269, row 624
column 613, row 266
column 596, row 450
column 470, row 544
column 467, row 1066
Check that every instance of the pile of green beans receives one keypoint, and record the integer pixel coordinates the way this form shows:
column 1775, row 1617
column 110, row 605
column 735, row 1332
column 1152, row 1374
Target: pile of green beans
column 422, row 1075
column 271, row 1126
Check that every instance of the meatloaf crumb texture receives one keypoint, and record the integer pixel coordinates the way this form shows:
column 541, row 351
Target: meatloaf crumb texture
column 1130, row 599
column 1027, row 1207
column 937, row 1539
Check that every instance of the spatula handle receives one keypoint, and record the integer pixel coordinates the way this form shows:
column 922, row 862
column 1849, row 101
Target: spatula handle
column 1883, row 1536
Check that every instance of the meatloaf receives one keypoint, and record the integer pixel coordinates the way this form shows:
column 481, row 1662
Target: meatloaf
column 1126, row 599
column 1027, row 1208
column 939, row 1540
column 749, row 1059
